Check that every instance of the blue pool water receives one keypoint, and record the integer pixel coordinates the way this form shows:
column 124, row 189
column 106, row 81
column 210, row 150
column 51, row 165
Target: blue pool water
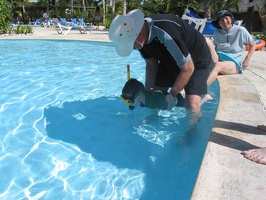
column 65, row 133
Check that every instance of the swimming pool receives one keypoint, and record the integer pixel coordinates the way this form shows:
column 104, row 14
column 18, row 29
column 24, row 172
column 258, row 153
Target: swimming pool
column 65, row 133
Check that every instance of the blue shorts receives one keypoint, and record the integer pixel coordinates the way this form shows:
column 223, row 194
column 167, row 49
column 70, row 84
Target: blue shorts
column 227, row 57
column 97, row 18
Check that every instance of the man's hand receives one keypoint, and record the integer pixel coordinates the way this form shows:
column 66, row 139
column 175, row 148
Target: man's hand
column 170, row 101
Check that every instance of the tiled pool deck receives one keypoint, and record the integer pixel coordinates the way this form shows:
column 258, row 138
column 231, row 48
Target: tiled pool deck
column 224, row 173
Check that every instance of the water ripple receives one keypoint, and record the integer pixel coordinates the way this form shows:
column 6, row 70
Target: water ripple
column 39, row 75
column 29, row 160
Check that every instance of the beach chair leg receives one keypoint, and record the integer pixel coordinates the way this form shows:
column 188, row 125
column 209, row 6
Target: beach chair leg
column 59, row 31
column 65, row 33
column 82, row 30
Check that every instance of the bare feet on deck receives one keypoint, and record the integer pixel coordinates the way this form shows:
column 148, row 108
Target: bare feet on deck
column 257, row 155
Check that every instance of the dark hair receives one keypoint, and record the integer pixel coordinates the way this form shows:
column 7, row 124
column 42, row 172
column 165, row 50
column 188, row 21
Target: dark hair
column 132, row 88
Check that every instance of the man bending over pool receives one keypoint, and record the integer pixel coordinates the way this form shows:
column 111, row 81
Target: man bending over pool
column 176, row 55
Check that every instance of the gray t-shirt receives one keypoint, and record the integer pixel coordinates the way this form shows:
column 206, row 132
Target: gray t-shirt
column 233, row 41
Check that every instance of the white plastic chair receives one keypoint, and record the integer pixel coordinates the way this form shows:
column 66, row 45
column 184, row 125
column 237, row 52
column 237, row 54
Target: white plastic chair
column 199, row 22
column 238, row 22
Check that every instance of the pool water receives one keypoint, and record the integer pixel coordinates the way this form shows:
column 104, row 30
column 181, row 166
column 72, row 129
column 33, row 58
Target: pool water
column 66, row 134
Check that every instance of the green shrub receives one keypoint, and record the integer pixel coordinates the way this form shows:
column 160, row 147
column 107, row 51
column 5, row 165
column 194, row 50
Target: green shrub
column 6, row 16
column 260, row 35
column 23, row 30
column 28, row 30
column 107, row 23
column 10, row 30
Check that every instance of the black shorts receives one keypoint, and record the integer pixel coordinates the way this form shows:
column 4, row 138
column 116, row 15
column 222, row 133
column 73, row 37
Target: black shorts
column 197, row 84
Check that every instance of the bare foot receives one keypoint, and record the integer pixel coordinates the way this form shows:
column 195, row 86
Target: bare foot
column 261, row 127
column 206, row 98
column 256, row 155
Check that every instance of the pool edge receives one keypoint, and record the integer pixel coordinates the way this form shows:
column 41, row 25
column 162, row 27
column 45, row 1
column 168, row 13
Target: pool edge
column 224, row 173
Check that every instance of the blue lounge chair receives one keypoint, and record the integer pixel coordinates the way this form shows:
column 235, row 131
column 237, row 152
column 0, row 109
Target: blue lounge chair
column 83, row 29
column 209, row 29
column 65, row 29
column 64, row 22
column 16, row 21
column 81, row 21
column 37, row 22
column 53, row 21
column 74, row 22
column 62, row 29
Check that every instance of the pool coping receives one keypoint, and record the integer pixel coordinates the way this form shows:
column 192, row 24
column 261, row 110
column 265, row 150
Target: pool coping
column 224, row 173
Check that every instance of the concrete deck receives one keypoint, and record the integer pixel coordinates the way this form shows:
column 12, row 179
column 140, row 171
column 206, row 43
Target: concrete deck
column 51, row 33
column 224, row 173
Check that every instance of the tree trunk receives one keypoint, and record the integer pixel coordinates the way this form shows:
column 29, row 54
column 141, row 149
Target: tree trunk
column 84, row 6
column 104, row 11
column 207, row 9
column 124, row 4
column 23, row 7
column 168, row 6
column 71, row 5
column 113, row 9
column 47, row 7
column 55, row 5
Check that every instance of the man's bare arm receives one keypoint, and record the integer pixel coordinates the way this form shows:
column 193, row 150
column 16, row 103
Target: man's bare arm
column 183, row 77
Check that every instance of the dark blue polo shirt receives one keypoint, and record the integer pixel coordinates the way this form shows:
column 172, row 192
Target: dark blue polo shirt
column 173, row 41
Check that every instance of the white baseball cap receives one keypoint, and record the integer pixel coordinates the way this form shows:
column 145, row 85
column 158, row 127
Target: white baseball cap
column 124, row 30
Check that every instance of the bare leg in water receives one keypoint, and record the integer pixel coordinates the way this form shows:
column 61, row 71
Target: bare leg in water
column 225, row 67
column 257, row 155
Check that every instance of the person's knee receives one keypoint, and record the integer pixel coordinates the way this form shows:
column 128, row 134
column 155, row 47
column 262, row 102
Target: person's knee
column 227, row 68
column 193, row 104
column 211, row 46
column 217, row 67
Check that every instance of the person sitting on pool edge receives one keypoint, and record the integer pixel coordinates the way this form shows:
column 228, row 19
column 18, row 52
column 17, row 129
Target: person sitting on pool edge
column 134, row 94
column 232, row 40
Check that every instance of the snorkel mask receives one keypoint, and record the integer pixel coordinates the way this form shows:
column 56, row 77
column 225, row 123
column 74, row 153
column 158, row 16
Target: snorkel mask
column 128, row 97
column 128, row 100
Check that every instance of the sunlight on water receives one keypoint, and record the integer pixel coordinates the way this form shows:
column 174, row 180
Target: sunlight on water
column 65, row 133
